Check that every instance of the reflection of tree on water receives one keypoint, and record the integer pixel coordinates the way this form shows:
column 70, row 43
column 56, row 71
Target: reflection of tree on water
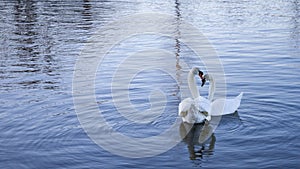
column 196, row 136
column 199, row 138
column 39, row 39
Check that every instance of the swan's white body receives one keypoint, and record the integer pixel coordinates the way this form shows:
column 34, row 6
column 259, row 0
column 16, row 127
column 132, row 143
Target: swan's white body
column 190, row 108
column 190, row 111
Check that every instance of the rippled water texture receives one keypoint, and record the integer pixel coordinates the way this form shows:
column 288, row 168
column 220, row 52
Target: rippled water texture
column 41, row 41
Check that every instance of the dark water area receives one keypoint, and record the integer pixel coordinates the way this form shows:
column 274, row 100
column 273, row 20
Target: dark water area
column 257, row 43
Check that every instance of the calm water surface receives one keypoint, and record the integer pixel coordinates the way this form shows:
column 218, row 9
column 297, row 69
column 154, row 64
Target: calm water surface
column 257, row 42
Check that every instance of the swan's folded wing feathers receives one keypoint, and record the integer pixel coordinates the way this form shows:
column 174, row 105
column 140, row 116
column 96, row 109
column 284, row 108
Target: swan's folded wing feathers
column 203, row 104
column 184, row 106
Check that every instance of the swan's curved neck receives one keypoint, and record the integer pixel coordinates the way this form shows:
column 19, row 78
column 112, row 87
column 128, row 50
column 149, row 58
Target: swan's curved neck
column 192, row 85
column 211, row 88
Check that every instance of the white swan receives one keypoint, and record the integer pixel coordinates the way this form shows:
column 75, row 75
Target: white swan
column 190, row 109
column 220, row 106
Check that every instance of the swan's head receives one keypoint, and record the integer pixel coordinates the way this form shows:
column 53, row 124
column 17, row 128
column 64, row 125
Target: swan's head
column 197, row 71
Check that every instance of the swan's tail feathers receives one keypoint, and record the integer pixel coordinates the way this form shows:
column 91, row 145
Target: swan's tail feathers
column 238, row 99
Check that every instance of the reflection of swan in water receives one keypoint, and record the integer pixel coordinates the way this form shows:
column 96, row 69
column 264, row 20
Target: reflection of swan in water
column 200, row 138
column 198, row 135
column 220, row 106
column 190, row 108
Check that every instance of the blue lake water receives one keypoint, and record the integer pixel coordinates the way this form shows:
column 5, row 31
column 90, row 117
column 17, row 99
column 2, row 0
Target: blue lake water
column 41, row 43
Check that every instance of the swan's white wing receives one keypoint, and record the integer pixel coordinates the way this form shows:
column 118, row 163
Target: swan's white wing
column 184, row 106
column 189, row 111
column 230, row 105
